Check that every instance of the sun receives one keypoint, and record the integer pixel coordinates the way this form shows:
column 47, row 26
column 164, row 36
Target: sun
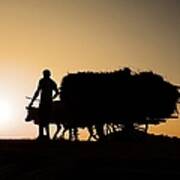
column 5, row 110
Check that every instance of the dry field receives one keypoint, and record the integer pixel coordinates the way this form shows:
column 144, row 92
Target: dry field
column 157, row 157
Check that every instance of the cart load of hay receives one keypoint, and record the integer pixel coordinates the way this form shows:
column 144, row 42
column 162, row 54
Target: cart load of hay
column 121, row 96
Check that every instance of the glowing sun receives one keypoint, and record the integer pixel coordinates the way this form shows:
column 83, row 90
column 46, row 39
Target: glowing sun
column 5, row 110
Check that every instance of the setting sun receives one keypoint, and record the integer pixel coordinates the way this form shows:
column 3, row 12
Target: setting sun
column 72, row 36
column 5, row 111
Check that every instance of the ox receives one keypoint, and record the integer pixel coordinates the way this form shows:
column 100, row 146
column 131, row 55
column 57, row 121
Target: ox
column 60, row 117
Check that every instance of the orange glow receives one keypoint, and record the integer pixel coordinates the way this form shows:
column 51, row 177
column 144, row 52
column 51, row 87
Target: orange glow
column 73, row 35
column 5, row 112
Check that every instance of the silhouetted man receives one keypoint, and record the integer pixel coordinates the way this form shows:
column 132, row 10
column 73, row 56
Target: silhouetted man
column 46, row 89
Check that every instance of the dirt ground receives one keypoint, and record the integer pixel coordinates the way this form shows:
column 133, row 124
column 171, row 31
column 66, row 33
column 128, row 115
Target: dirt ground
column 32, row 159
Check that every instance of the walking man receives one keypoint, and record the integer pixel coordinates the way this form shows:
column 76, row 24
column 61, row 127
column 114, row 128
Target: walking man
column 47, row 89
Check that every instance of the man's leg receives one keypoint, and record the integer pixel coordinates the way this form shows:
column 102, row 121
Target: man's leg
column 40, row 131
column 47, row 131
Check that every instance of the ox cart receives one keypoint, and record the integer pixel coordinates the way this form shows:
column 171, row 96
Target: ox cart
column 107, row 102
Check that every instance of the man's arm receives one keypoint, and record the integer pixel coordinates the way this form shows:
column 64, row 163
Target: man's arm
column 56, row 91
column 36, row 94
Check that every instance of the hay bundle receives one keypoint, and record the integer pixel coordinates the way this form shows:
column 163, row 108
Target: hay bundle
column 119, row 96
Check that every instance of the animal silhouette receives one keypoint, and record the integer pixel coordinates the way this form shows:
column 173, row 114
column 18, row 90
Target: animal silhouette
column 61, row 119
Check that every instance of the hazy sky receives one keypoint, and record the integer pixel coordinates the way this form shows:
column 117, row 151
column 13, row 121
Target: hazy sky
column 80, row 35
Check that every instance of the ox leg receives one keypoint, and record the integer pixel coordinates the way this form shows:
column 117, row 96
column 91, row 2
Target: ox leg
column 91, row 133
column 146, row 128
column 114, row 127
column 90, row 129
column 108, row 128
column 63, row 133
column 100, row 130
column 47, row 131
column 75, row 134
column 40, row 129
column 71, row 134
column 57, row 131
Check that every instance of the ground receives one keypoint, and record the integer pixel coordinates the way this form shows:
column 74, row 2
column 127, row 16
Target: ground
column 152, row 157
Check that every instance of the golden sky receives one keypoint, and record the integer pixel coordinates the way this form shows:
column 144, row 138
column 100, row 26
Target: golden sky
column 79, row 35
